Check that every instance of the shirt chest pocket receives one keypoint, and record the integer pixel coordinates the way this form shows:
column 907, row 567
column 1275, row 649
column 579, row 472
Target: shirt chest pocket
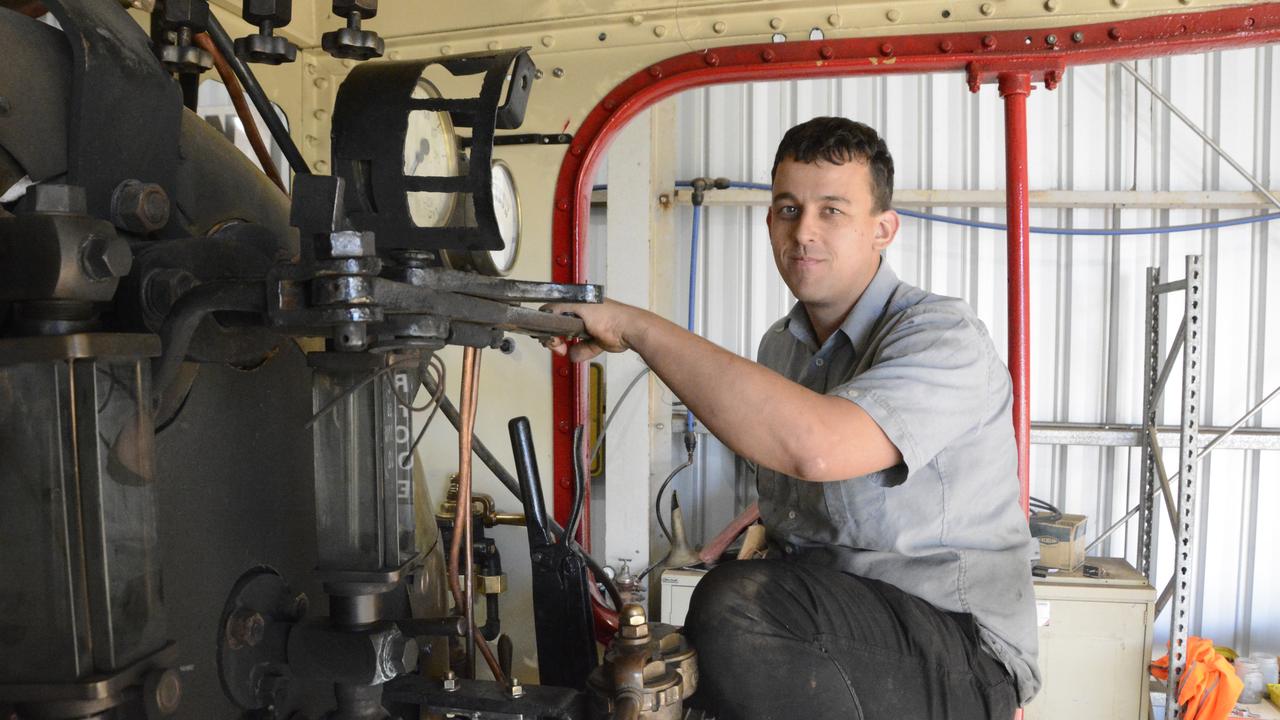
column 857, row 508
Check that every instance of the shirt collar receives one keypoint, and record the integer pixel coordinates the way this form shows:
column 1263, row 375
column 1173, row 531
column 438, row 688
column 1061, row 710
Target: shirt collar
column 860, row 321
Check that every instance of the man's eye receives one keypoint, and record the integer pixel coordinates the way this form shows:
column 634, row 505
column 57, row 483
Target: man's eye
column 833, row 211
column 787, row 210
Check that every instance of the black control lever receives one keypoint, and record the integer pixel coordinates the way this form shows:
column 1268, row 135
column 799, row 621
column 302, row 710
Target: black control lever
column 562, row 616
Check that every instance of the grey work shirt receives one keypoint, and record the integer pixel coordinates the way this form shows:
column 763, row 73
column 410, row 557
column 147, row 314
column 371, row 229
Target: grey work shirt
column 945, row 524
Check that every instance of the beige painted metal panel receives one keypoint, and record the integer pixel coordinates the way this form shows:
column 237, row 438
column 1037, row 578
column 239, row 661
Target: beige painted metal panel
column 1095, row 643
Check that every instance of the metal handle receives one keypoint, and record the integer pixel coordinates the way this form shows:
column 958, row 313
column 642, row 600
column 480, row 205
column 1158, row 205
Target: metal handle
column 535, row 509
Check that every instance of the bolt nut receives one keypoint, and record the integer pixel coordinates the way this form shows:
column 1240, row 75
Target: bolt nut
column 557, row 72
column 366, row 8
column 348, row 244
column 632, row 615
column 277, row 12
column 272, row 688
column 514, row 689
column 162, row 287
column 245, row 629
column 139, row 207
column 104, row 258
column 402, row 656
column 450, row 682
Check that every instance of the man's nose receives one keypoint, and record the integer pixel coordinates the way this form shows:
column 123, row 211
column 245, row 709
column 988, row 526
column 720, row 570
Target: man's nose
column 805, row 229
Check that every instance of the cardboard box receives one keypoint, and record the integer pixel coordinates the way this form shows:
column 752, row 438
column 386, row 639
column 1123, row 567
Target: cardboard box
column 1061, row 540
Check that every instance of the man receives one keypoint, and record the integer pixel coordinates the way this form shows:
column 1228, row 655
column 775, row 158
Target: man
column 878, row 426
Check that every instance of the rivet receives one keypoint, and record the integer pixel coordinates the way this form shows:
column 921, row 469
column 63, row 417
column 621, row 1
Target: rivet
column 637, row 19
column 1118, row 3
column 548, row 41
column 712, row 59
column 833, row 20
column 768, row 55
column 987, row 8
column 659, row 30
column 311, row 68
column 602, row 36
column 321, row 115
column 1077, row 36
column 1114, row 33
column 563, row 372
column 1050, row 5
column 826, row 52
column 562, row 260
column 321, row 82
column 988, row 41
column 562, row 204
column 886, row 49
column 564, row 482
column 655, row 71
column 563, row 425
column 945, row 46
column 393, row 55
column 494, row 44
column 558, row 72
column 1051, row 40
column 321, row 166
column 446, row 49
column 719, row 27
column 610, row 104
column 893, row 15
column 311, row 140
column 1185, row 2
column 775, row 23
column 1248, row 22
column 576, row 149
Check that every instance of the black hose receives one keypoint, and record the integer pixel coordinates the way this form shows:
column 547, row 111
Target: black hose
column 579, row 488
column 259, row 98
column 509, row 482
column 188, row 312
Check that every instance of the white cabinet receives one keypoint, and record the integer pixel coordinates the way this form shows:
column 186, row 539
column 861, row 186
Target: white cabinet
column 1095, row 644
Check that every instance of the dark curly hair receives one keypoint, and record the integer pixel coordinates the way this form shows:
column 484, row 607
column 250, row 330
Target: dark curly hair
column 838, row 140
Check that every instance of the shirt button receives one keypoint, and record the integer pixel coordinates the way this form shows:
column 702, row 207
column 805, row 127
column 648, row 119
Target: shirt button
column 792, row 515
column 818, row 362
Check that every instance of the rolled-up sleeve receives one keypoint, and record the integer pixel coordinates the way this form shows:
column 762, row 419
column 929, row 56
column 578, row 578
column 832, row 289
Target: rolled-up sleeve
column 927, row 385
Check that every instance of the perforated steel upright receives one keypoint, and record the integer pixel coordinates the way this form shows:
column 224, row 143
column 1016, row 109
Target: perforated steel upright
column 1184, row 569
column 1150, row 410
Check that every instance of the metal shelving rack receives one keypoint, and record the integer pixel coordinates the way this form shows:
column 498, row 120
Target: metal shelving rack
column 1188, row 341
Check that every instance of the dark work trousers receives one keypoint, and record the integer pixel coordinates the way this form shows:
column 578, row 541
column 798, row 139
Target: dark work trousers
column 782, row 640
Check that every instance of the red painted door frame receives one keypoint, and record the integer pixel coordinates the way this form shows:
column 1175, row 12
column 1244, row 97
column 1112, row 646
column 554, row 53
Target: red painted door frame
column 1011, row 58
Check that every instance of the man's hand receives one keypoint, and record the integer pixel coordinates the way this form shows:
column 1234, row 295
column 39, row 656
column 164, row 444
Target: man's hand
column 612, row 327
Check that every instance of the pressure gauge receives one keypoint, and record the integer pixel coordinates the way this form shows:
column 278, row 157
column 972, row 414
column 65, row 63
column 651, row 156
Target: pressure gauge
column 506, row 210
column 430, row 149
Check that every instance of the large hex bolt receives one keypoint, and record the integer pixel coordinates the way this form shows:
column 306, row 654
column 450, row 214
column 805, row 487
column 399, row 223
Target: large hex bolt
column 105, row 258
column 139, row 207
column 633, row 625
column 245, row 628
column 400, row 656
column 162, row 287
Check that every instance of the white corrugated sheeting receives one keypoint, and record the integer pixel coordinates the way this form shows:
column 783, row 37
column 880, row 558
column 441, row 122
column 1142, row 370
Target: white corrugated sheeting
column 1097, row 131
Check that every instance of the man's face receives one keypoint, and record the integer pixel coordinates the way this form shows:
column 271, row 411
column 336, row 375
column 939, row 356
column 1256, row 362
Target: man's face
column 825, row 231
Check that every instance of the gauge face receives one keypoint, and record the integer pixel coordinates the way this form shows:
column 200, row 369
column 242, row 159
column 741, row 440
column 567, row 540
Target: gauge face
column 430, row 149
column 506, row 208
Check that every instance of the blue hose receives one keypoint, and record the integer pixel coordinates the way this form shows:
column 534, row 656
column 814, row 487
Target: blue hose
column 693, row 288
column 1095, row 232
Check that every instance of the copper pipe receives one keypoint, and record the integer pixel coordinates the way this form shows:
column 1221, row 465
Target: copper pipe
column 242, row 110
column 463, row 593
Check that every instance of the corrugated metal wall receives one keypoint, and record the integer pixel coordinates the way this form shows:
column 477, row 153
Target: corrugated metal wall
column 1097, row 131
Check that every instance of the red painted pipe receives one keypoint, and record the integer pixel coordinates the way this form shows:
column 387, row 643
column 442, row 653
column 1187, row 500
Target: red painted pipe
column 1014, row 88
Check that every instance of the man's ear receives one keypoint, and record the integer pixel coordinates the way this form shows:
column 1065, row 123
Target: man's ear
column 768, row 217
column 886, row 229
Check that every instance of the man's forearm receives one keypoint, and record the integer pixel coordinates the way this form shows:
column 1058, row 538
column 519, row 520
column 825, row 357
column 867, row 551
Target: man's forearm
column 758, row 413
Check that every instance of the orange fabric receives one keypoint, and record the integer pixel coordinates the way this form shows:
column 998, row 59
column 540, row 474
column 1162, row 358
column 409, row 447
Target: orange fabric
column 1209, row 687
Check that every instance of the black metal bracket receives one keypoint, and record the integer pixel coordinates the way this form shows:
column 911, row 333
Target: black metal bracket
column 525, row 139
column 371, row 120
column 112, row 141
